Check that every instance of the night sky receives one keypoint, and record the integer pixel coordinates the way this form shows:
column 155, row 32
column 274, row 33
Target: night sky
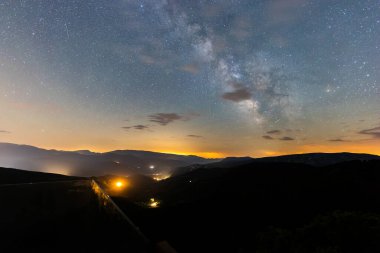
column 211, row 78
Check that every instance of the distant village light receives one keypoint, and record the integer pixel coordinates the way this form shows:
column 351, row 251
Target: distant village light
column 154, row 203
column 151, row 167
column 159, row 177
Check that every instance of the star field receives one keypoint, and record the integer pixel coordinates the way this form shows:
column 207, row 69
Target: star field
column 213, row 78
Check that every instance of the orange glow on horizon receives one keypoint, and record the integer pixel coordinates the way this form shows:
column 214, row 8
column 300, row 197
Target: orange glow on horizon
column 358, row 147
column 367, row 147
column 201, row 154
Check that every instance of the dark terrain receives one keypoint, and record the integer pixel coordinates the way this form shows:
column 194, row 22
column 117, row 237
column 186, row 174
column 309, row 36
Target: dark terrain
column 13, row 176
column 266, row 207
column 310, row 203
column 42, row 212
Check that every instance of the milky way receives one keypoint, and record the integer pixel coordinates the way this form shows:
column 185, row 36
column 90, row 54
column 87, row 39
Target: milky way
column 211, row 78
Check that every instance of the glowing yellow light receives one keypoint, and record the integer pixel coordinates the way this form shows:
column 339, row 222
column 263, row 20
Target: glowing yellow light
column 118, row 185
column 154, row 203
column 159, row 177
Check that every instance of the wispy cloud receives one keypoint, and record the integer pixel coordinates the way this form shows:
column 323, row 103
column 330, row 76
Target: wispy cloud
column 339, row 140
column 374, row 132
column 137, row 127
column 239, row 94
column 267, row 137
column 194, row 136
column 4, row 132
column 140, row 127
column 165, row 118
column 274, row 132
column 190, row 68
column 286, row 138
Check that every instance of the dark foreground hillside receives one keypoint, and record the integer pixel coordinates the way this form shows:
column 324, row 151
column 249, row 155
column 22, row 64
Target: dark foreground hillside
column 261, row 207
column 13, row 176
column 266, row 207
column 52, row 213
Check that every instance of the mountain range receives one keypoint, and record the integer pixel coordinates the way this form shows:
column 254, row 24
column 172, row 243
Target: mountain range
column 312, row 159
column 129, row 162
column 87, row 163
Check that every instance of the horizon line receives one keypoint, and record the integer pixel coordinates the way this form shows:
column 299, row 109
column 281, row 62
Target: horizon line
column 183, row 153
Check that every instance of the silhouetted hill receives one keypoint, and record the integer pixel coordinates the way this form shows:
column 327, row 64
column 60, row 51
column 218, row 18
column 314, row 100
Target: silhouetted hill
column 273, row 176
column 314, row 159
column 15, row 176
column 230, row 209
column 62, row 216
column 87, row 163
column 320, row 159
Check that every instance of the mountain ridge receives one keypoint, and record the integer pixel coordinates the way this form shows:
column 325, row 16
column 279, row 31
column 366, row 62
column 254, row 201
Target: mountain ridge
column 128, row 162
column 88, row 163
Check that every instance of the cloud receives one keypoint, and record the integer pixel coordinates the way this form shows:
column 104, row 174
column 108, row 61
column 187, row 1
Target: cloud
column 267, row 137
column 338, row 140
column 190, row 68
column 286, row 138
column 4, row 132
column 239, row 94
column 194, row 136
column 140, row 127
column 137, row 127
column 274, row 132
column 164, row 118
column 374, row 132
